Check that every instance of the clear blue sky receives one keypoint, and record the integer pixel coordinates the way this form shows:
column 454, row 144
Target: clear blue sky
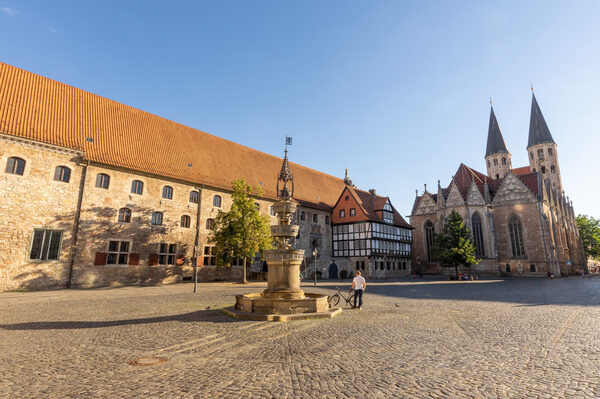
column 396, row 91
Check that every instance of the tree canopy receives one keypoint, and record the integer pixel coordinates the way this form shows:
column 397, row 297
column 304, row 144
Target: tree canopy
column 589, row 231
column 454, row 245
column 242, row 232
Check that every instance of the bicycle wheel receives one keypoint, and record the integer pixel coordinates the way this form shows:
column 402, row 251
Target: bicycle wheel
column 351, row 300
column 333, row 300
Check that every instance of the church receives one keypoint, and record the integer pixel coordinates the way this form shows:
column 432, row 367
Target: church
column 521, row 220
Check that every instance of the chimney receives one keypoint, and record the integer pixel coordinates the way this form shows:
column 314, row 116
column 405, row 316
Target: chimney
column 373, row 192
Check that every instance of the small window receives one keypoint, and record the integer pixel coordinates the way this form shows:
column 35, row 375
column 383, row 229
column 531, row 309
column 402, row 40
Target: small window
column 326, row 219
column 541, row 153
column 543, row 169
column 157, row 218
column 302, row 215
column 507, row 268
column 210, row 224
column 62, row 173
column 217, row 201
column 495, row 162
column 497, row 176
column 352, row 211
column 342, row 213
column 489, row 164
column 45, row 244
column 257, row 206
column 271, row 211
column 550, row 152
column 137, row 187
column 315, row 218
column 166, row 254
column 167, row 192
column 531, row 154
column 125, row 215
column 118, row 253
column 186, row 221
column 552, row 169
column 194, row 197
column 15, row 165
column 347, row 198
column 503, row 161
column 209, row 258
column 532, row 266
column 102, row 180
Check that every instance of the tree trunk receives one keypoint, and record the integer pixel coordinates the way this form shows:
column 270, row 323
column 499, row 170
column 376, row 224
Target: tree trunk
column 244, row 281
column 456, row 271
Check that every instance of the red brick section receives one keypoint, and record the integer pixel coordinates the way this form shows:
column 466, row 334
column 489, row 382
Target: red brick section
column 38, row 108
column 134, row 259
column 100, row 259
column 153, row 260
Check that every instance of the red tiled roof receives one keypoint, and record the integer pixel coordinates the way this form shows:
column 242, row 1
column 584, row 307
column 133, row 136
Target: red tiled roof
column 373, row 204
column 525, row 170
column 465, row 175
column 530, row 180
column 38, row 108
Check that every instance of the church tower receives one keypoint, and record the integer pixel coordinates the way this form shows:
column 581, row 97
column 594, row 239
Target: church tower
column 541, row 147
column 497, row 157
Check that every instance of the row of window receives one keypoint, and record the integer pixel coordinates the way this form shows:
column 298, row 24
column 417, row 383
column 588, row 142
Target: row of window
column 540, row 153
column 370, row 229
column 495, row 160
column 315, row 217
column 16, row 166
column 157, row 219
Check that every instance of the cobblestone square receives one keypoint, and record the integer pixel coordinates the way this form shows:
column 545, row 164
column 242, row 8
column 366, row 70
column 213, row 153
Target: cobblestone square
column 424, row 338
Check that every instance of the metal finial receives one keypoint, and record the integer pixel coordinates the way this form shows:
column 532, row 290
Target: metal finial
column 531, row 86
column 491, row 100
column 425, row 185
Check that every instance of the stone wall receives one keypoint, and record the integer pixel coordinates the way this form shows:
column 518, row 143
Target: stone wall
column 35, row 201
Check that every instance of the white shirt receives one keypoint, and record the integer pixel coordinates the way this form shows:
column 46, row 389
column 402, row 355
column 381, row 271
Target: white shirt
column 359, row 283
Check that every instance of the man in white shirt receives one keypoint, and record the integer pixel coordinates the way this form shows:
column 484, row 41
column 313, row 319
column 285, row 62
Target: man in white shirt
column 358, row 284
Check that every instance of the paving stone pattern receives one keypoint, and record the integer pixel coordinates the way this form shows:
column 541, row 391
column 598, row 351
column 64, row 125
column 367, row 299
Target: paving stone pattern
column 505, row 338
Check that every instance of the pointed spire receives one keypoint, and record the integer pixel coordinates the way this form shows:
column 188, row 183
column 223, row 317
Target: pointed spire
column 538, row 129
column 495, row 141
column 285, row 177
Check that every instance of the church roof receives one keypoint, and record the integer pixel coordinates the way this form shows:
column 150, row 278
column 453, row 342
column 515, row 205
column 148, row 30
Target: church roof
column 538, row 129
column 464, row 176
column 111, row 133
column 495, row 141
column 524, row 170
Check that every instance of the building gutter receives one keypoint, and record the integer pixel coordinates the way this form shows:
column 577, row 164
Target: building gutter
column 76, row 223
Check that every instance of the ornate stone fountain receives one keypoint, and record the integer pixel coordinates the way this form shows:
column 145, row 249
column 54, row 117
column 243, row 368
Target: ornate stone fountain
column 283, row 299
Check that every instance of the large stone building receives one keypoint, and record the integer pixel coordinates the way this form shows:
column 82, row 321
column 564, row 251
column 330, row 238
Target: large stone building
column 521, row 221
column 98, row 193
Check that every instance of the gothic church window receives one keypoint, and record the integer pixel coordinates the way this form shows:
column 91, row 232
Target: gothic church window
column 137, row 187
column 15, row 165
column 429, row 239
column 477, row 235
column 541, row 153
column 125, row 215
column 167, row 192
column 515, row 231
column 62, row 173
column 217, row 201
column 102, row 180
column 185, row 221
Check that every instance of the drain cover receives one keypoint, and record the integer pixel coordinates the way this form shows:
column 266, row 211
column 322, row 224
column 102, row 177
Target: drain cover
column 147, row 361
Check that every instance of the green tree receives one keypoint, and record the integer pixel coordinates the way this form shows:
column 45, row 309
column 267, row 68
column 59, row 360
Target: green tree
column 589, row 231
column 241, row 232
column 454, row 245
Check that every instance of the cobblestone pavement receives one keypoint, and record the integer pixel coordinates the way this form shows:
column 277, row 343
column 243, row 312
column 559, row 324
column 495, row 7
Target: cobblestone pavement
column 505, row 338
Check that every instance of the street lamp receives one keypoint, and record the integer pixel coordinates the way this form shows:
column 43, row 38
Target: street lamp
column 315, row 253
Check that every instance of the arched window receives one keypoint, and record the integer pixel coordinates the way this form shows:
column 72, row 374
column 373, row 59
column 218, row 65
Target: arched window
column 507, row 268
column 125, row 215
column 489, row 164
column 326, row 219
column 503, row 160
column 495, row 162
column 515, row 231
column 550, row 152
column 167, row 192
column 62, row 173
column 531, row 154
column 477, row 235
column 210, row 224
column 102, row 180
column 15, row 165
column 217, row 201
column 194, row 197
column 157, row 218
column 532, row 266
column 137, row 187
column 552, row 169
column 541, row 153
column 315, row 218
column 185, row 221
column 429, row 239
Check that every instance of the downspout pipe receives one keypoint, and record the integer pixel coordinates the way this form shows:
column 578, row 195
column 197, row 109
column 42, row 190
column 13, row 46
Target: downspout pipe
column 197, row 238
column 76, row 223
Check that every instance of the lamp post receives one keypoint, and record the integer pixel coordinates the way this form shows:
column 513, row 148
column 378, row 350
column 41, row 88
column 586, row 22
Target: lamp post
column 315, row 253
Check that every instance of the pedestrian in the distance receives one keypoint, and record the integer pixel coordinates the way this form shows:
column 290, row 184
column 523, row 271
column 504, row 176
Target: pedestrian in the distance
column 358, row 284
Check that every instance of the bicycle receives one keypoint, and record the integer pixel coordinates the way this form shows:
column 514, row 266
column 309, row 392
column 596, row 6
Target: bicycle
column 334, row 299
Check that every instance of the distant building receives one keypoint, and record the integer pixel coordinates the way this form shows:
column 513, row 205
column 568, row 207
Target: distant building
column 98, row 193
column 520, row 218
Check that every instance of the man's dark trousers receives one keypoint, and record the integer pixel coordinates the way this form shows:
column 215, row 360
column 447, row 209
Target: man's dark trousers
column 358, row 295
